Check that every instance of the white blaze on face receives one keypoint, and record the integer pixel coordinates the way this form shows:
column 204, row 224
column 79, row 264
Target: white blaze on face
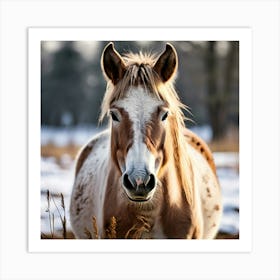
column 140, row 106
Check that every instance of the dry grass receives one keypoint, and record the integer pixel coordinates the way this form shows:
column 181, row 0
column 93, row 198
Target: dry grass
column 224, row 145
column 51, row 150
column 111, row 232
column 225, row 235
column 229, row 143
column 70, row 235
column 51, row 199
column 58, row 235
column 139, row 230
column 88, row 233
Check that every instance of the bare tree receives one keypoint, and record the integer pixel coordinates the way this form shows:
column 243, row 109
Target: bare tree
column 219, row 94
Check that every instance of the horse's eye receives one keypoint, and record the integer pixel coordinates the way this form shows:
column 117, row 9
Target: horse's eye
column 114, row 117
column 164, row 117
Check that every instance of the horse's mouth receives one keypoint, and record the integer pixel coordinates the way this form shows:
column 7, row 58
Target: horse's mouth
column 139, row 198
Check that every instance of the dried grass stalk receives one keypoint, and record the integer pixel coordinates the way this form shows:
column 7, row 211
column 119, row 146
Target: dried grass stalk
column 63, row 219
column 138, row 230
column 95, row 228
column 88, row 234
column 111, row 232
column 51, row 215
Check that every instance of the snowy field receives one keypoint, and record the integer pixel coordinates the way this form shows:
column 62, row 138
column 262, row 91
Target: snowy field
column 58, row 178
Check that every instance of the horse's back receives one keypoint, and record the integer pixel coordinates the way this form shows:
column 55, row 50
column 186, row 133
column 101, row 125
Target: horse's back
column 87, row 193
column 206, row 183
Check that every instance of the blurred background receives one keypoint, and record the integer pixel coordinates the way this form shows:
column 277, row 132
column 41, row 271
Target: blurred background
column 72, row 89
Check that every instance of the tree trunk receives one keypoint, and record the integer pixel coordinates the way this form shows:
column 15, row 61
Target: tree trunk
column 213, row 100
column 218, row 98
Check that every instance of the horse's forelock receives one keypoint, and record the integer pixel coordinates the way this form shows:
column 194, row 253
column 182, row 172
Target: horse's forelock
column 140, row 72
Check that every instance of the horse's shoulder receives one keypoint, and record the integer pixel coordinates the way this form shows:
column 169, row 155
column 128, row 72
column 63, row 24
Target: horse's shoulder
column 200, row 145
column 88, row 148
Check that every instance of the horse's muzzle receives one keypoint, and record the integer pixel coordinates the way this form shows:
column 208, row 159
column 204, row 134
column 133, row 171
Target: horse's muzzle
column 139, row 187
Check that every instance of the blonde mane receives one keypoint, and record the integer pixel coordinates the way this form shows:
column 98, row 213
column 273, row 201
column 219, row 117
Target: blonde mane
column 140, row 71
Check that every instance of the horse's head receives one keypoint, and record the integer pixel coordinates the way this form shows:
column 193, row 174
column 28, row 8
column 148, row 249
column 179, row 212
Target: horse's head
column 139, row 117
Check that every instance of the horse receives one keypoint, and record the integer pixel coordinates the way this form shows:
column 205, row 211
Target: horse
column 146, row 176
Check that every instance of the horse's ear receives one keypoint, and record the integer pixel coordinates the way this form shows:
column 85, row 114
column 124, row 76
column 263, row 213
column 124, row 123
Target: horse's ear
column 112, row 64
column 167, row 63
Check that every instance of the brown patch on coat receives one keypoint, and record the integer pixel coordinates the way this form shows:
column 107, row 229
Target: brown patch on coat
column 154, row 133
column 178, row 222
column 200, row 145
column 83, row 156
column 208, row 192
column 80, row 200
column 155, row 139
column 217, row 207
column 121, row 138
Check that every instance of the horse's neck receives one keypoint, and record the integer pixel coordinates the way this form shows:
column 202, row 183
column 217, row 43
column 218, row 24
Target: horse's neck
column 180, row 195
column 178, row 170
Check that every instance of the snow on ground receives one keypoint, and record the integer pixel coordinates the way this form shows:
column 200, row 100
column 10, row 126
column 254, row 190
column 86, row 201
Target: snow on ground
column 63, row 136
column 57, row 180
column 79, row 135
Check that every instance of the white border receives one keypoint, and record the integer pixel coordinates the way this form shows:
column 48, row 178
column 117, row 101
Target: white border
column 262, row 16
column 243, row 35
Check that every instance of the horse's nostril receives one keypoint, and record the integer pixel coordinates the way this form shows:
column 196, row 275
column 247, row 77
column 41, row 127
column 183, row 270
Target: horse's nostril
column 151, row 182
column 127, row 183
column 137, row 186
